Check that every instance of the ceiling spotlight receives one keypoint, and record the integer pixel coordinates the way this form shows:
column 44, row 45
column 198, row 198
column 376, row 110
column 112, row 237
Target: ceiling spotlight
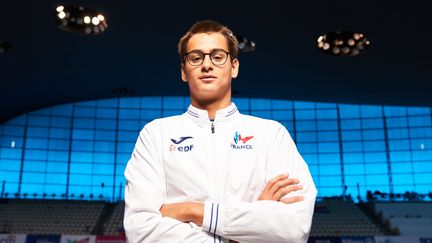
column 245, row 45
column 61, row 15
column 325, row 45
column 343, row 43
column 5, row 46
column 71, row 19
column 101, row 17
column 336, row 50
column 95, row 21
column 59, row 9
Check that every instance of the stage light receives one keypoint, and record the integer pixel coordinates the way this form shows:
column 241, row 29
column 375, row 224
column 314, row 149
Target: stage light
column 345, row 50
column 59, row 9
column 336, row 50
column 245, row 45
column 326, row 46
column 343, row 43
column 95, row 21
column 61, row 15
column 87, row 20
column 76, row 19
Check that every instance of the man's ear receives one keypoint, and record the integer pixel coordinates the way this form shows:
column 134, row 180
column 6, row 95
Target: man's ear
column 235, row 65
column 183, row 72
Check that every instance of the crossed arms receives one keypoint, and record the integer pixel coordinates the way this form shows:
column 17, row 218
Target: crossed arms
column 275, row 190
column 282, row 212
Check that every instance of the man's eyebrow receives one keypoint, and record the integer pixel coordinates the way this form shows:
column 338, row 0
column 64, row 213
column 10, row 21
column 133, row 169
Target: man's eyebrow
column 214, row 49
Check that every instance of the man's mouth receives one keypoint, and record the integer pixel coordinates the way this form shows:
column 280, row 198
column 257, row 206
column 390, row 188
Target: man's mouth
column 207, row 78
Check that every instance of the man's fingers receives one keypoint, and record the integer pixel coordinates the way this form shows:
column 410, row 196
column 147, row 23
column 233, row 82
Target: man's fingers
column 284, row 191
column 267, row 193
column 278, row 187
column 273, row 181
column 292, row 199
column 284, row 183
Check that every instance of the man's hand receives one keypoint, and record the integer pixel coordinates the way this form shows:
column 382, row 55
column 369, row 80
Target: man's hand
column 280, row 186
column 184, row 211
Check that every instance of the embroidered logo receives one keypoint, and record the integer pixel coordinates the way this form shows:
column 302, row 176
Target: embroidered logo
column 238, row 138
column 186, row 148
column 180, row 140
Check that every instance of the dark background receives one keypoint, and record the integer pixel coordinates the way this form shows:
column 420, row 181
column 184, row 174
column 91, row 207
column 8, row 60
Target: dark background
column 47, row 66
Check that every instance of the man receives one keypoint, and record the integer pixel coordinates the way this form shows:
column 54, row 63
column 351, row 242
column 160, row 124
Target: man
column 213, row 174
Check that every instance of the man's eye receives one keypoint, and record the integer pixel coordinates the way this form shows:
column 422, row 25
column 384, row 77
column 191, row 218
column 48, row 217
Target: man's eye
column 196, row 58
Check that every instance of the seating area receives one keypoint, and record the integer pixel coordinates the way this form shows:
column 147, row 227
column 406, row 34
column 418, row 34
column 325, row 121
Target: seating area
column 410, row 218
column 334, row 217
column 114, row 225
column 341, row 217
column 49, row 216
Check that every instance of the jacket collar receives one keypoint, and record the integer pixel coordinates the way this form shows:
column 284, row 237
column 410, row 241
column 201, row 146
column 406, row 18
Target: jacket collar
column 222, row 115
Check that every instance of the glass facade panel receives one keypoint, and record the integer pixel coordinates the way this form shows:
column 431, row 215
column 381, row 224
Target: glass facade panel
column 80, row 150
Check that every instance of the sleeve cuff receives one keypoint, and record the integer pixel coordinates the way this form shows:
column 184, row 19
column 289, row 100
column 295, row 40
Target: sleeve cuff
column 211, row 217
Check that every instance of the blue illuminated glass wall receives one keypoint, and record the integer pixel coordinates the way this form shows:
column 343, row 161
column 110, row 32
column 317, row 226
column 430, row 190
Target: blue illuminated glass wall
column 80, row 150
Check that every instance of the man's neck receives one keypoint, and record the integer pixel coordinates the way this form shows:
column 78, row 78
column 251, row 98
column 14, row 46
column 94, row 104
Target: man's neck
column 212, row 108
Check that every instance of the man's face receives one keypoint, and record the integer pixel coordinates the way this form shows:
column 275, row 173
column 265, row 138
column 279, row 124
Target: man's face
column 207, row 82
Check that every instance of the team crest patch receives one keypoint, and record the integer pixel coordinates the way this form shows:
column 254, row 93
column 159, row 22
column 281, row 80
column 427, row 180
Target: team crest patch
column 240, row 141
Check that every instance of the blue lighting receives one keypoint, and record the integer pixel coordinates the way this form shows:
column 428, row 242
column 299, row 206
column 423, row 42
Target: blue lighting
column 83, row 148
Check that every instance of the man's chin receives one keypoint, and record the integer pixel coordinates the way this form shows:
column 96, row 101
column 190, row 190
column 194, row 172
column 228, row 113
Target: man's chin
column 208, row 89
column 206, row 97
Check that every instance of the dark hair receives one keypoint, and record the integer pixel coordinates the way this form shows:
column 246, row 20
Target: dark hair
column 208, row 26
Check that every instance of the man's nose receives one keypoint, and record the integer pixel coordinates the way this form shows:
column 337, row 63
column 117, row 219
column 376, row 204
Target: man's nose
column 207, row 63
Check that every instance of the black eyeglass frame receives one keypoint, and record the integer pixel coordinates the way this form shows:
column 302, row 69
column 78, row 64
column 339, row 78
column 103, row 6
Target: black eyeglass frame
column 205, row 54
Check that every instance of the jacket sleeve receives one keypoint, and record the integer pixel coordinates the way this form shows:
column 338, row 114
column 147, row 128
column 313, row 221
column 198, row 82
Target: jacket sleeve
column 268, row 221
column 145, row 193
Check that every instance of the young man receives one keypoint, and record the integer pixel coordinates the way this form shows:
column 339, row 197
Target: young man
column 213, row 174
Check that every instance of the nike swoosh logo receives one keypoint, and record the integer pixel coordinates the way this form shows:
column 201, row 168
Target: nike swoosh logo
column 180, row 141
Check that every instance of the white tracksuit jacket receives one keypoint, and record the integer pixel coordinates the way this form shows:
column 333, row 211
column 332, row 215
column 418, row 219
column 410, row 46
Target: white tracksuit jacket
column 225, row 163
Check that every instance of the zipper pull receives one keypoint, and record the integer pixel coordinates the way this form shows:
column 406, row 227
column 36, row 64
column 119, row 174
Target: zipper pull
column 212, row 128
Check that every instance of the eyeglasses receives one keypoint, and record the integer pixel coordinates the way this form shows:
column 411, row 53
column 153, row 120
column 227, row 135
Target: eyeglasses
column 217, row 56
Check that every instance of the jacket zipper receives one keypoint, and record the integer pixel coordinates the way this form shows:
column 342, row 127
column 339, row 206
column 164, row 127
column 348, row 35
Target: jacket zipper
column 212, row 127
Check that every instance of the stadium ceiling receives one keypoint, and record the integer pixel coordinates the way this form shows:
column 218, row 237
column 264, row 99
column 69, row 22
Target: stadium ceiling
column 136, row 55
